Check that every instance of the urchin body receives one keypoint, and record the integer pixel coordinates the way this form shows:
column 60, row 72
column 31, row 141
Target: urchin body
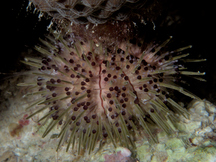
column 97, row 93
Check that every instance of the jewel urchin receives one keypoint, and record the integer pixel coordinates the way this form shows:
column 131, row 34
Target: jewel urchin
column 98, row 94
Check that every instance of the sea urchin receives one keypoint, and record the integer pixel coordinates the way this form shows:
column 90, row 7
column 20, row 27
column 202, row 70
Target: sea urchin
column 97, row 94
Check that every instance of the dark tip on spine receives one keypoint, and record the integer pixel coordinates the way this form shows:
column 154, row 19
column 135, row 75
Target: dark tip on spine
column 52, row 81
column 84, row 131
column 116, row 88
column 123, row 113
column 49, row 60
column 76, row 108
column 89, row 58
column 43, row 68
column 110, row 109
column 105, row 135
column 118, row 68
column 109, row 95
column 54, row 94
column 73, row 117
column 75, row 68
column 82, row 103
column 123, row 95
column 145, row 68
column 45, row 62
column 39, row 83
column 145, row 90
column 93, row 63
column 56, row 107
column 83, row 83
column 119, row 130
column 71, row 61
column 109, row 75
column 155, row 86
column 124, row 88
column 85, row 107
column 55, row 117
column 106, row 79
column 137, row 72
column 111, row 88
column 119, row 50
column 147, row 116
column 160, row 80
column 139, row 77
column 150, row 82
column 155, row 80
column 144, row 62
column 94, row 116
column 88, row 103
column 111, row 102
column 72, row 76
column 114, row 77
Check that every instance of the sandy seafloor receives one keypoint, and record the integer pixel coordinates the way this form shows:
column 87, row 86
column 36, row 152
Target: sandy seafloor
column 20, row 140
